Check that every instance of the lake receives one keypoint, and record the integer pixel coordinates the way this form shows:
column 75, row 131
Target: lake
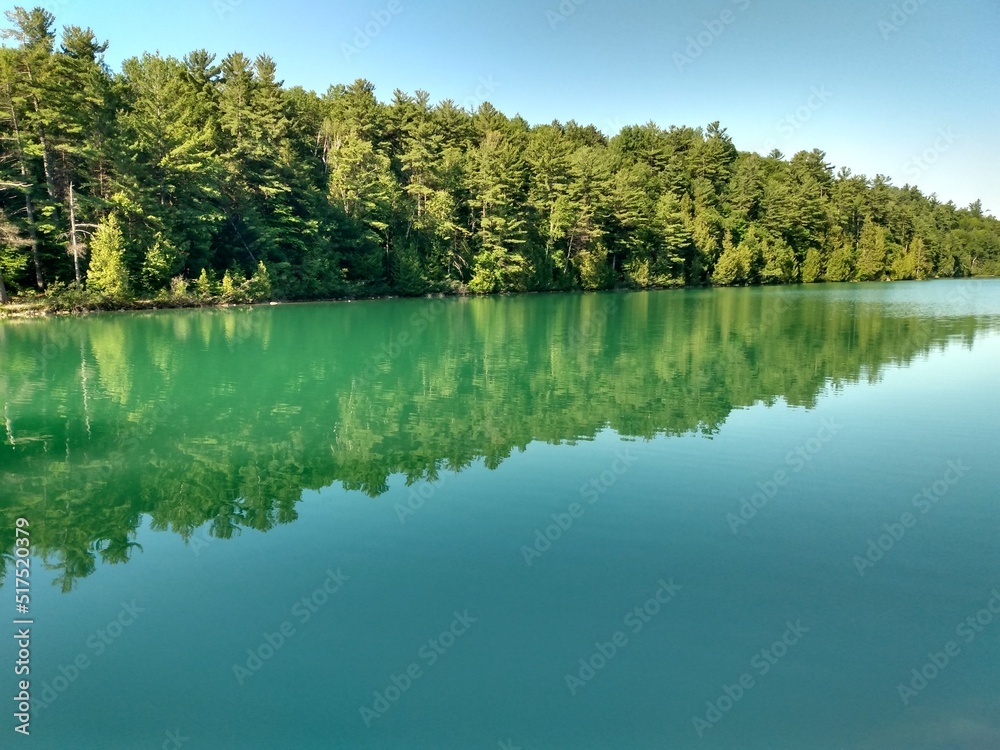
column 733, row 518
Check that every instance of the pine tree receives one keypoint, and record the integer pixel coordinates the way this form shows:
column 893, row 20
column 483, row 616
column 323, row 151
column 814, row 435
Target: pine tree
column 592, row 266
column 495, row 178
column 107, row 273
column 590, row 173
column 547, row 155
column 921, row 261
column 14, row 112
column 872, row 252
column 170, row 195
column 12, row 256
column 203, row 285
column 731, row 268
column 779, row 264
column 672, row 242
column 840, row 266
column 705, row 231
column 33, row 63
column 812, row 268
column 229, row 288
column 258, row 286
column 159, row 265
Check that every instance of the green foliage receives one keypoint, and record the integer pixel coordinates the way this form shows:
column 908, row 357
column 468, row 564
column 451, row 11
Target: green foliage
column 204, row 285
column 812, row 268
column 780, row 264
column 497, row 270
column 258, row 287
column 13, row 258
column 64, row 297
column 214, row 166
column 840, row 266
column 754, row 250
column 407, row 272
column 920, row 259
column 731, row 267
column 872, row 252
column 107, row 273
column 729, row 270
column 179, row 288
column 593, row 269
column 230, row 289
column 159, row 265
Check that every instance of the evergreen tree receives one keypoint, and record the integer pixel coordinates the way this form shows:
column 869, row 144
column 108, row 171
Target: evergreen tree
column 872, row 252
column 779, row 263
column 840, row 266
column 495, row 179
column 812, row 268
column 107, row 272
column 731, row 267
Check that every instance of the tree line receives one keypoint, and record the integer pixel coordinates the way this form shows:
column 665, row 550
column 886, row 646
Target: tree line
column 204, row 179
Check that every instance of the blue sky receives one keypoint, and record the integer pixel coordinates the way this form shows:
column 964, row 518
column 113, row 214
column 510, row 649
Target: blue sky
column 910, row 89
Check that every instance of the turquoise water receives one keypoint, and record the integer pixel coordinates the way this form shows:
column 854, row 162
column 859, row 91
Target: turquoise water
column 751, row 514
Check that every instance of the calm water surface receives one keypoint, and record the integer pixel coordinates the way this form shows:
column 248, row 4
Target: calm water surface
column 732, row 519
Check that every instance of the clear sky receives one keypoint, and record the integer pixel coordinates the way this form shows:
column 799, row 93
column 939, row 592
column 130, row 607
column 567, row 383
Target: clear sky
column 905, row 88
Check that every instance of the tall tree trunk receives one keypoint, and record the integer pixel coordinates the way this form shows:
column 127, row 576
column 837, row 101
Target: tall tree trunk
column 72, row 236
column 4, row 299
column 35, row 256
column 46, row 158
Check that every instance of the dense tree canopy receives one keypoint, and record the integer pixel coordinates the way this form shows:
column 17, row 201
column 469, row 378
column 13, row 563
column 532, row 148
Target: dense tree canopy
column 211, row 167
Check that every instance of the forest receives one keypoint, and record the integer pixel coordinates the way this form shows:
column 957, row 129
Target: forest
column 197, row 180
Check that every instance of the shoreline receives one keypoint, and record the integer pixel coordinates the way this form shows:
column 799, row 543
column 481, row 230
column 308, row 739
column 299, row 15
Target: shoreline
column 35, row 309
